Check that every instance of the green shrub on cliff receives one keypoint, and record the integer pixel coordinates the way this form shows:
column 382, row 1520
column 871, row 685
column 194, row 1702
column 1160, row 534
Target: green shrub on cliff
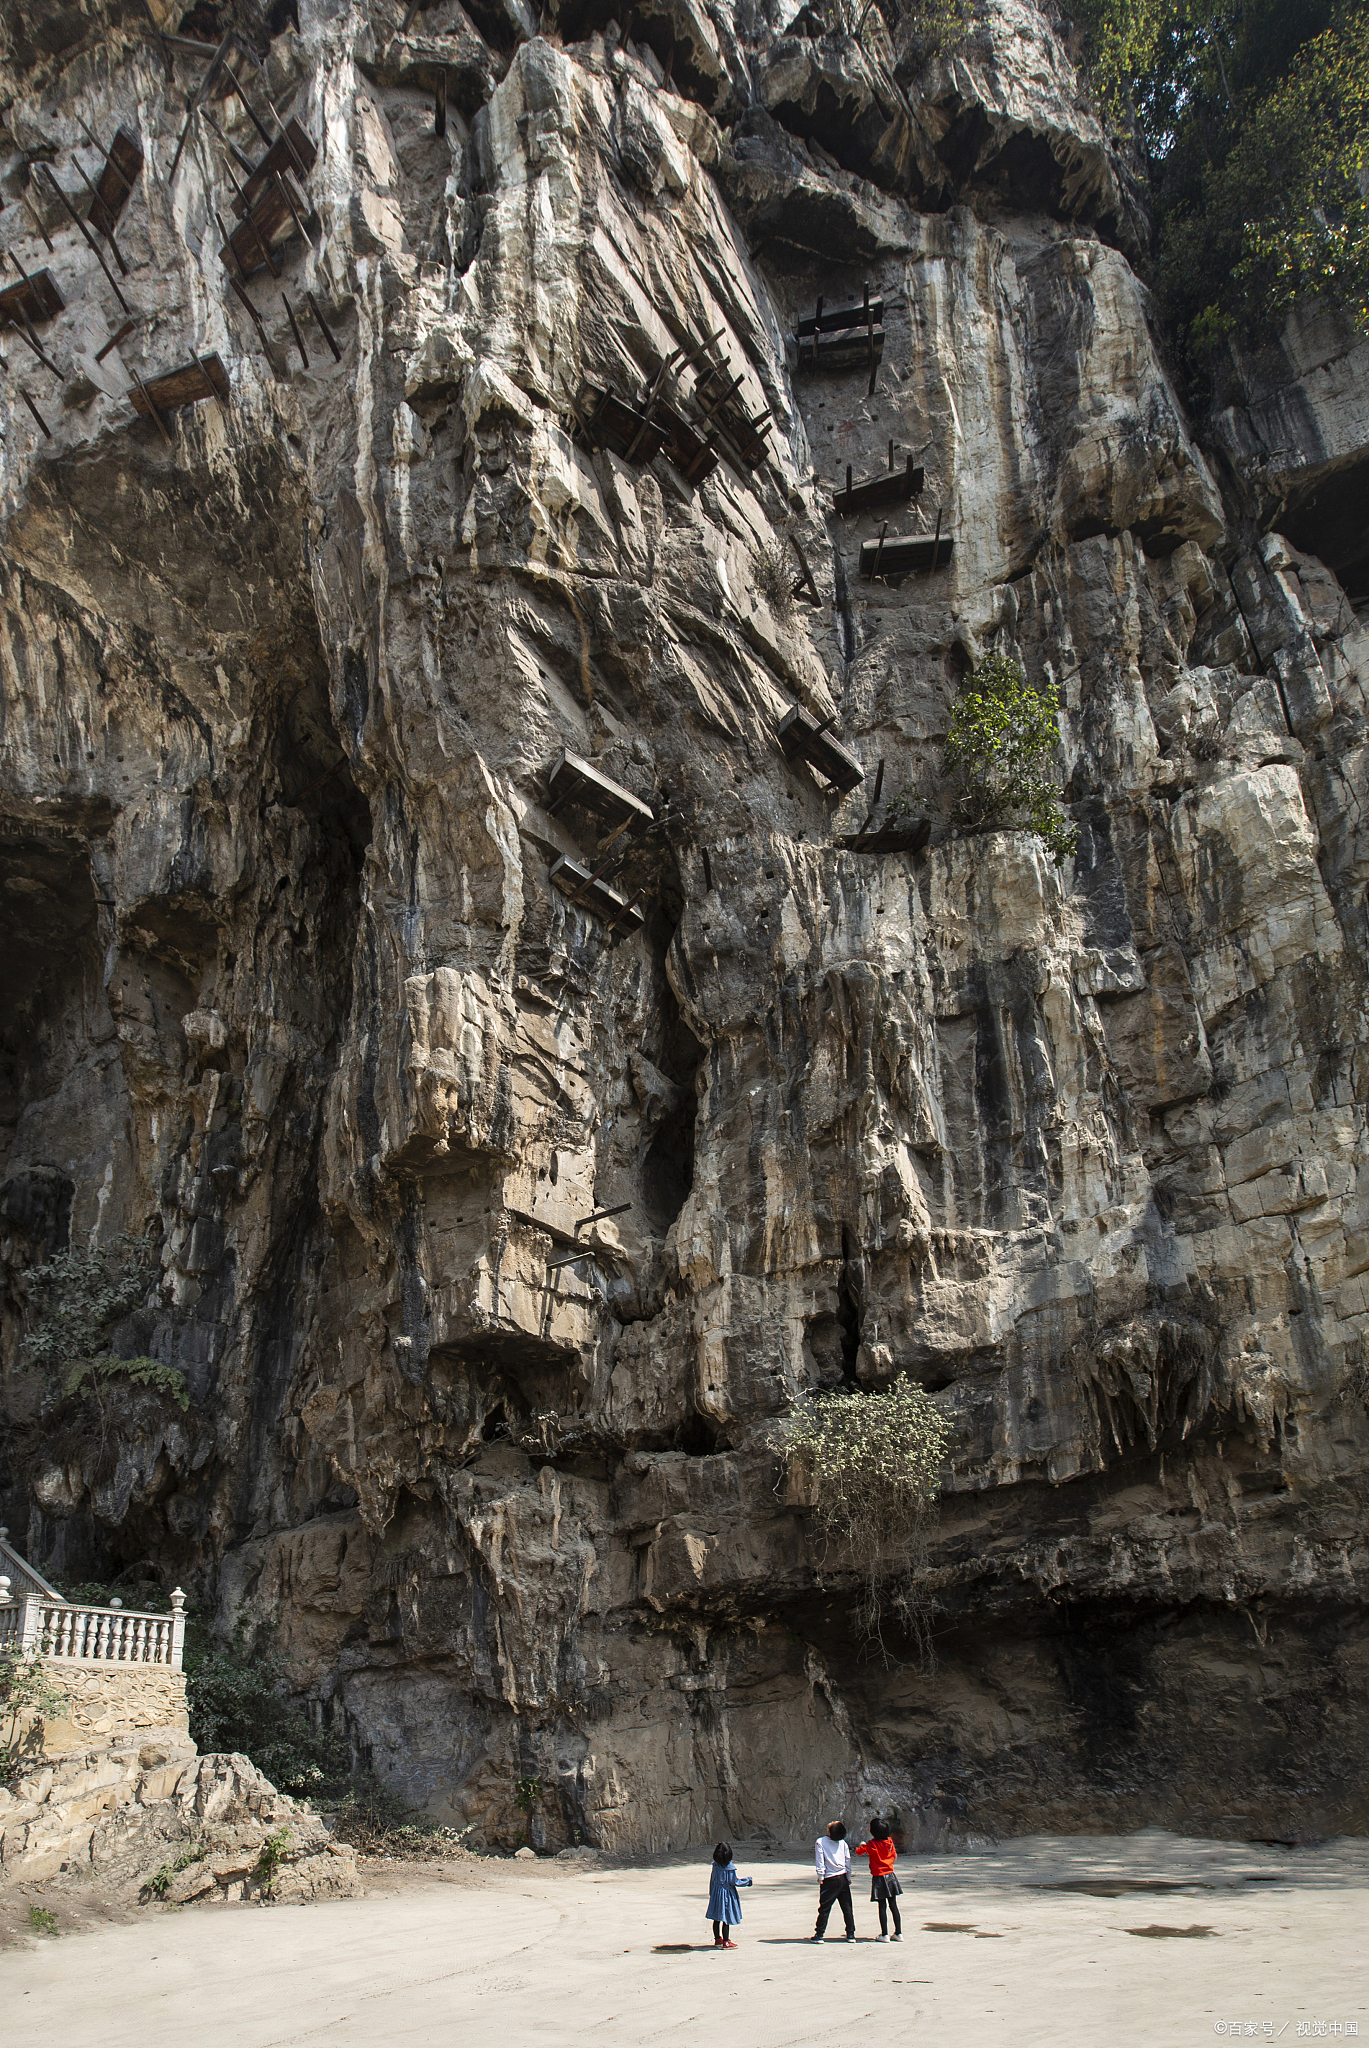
column 236, row 1704
column 1004, row 730
column 75, row 1303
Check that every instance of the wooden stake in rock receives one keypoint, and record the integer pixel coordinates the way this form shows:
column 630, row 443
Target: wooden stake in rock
column 96, row 201
column 89, row 240
column 114, row 340
column 166, row 435
column 327, row 330
column 23, row 201
column 210, row 385
column 201, row 94
column 294, row 329
column 47, row 430
column 284, row 187
column 28, row 335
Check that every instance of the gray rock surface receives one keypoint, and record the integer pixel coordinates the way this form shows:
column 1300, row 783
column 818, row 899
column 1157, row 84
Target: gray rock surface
column 1082, row 1150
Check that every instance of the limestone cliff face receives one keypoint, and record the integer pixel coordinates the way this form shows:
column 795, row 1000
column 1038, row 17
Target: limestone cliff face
column 287, row 982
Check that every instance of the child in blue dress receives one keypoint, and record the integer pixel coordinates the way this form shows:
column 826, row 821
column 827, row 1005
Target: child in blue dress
column 724, row 1907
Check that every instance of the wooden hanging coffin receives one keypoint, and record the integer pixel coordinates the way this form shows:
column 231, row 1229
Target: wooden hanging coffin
column 895, row 487
column 804, row 738
column 610, row 422
column 194, row 381
column 592, row 892
column 898, row 838
column 292, row 153
column 574, row 781
column 695, row 458
column 116, row 181
column 34, row 298
column 850, row 339
column 266, row 227
column 723, row 413
column 900, row 554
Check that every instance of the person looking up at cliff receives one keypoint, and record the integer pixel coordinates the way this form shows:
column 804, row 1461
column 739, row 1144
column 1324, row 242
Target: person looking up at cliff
column 832, row 1856
column 724, row 1907
column 884, row 1886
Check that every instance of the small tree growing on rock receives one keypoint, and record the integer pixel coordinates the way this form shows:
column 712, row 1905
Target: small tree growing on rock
column 1004, row 732
column 871, row 1464
column 25, row 1690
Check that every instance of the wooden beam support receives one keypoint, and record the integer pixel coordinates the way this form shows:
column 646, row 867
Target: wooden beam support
column 108, row 233
column 294, row 329
column 327, row 330
column 801, row 735
column 47, row 430
column 89, row 239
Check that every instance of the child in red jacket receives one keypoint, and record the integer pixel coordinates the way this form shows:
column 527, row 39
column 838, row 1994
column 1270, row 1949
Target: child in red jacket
column 884, row 1886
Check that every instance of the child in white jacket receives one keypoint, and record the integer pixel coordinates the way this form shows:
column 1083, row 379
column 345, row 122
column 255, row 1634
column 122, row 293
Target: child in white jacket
column 832, row 1859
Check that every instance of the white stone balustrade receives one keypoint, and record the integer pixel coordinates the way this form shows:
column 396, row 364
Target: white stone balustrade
column 42, row 1624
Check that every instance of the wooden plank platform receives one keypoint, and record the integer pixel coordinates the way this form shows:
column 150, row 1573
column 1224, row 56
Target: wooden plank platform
column 898, row 555
column 175, row 388
column 591, row 892
column 34, row 298
column 610, row 422
column 122, row 166
column 909, row 838
column 893, row 488
column 269, row 225
column 576, row 781
column 847, row 316
column 856, row 350
column 291, row 154
column 801, row 737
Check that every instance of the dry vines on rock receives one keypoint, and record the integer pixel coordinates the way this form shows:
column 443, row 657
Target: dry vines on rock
column 871, row 1464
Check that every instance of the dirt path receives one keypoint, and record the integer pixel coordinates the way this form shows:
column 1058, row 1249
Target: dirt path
column 1018, row 1945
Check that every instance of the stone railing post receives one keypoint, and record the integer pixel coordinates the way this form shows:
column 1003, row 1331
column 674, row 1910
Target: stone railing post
column 30, row 1625
column 177, row 1629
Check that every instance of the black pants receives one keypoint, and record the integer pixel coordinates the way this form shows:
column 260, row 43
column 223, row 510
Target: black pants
column 835, row 1891
column 721, row 1931
column 886, row 1907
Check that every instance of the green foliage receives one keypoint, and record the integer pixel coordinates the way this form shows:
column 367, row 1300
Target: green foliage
column 1254, row 121
column 25, row 1688
column 933, row 28
column 43, row 1922
column 236, row 1704
column 272, row 1855
column 1003, row 730
column 143, row 1372
column 871, row 1463
column 1312, row 135
column 75, row 1302
column 159, row 1884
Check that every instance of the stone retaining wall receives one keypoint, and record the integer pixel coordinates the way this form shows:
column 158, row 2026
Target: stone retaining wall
column 108, row 1700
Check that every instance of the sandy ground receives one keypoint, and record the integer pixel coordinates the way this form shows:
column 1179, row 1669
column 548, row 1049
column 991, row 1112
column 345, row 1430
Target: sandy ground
column 1004, row 1944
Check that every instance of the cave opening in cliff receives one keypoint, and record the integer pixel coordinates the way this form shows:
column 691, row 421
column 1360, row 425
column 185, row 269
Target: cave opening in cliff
column 1330, row 522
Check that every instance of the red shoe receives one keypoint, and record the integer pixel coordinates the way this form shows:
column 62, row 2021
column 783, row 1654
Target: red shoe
column 729, row 1944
